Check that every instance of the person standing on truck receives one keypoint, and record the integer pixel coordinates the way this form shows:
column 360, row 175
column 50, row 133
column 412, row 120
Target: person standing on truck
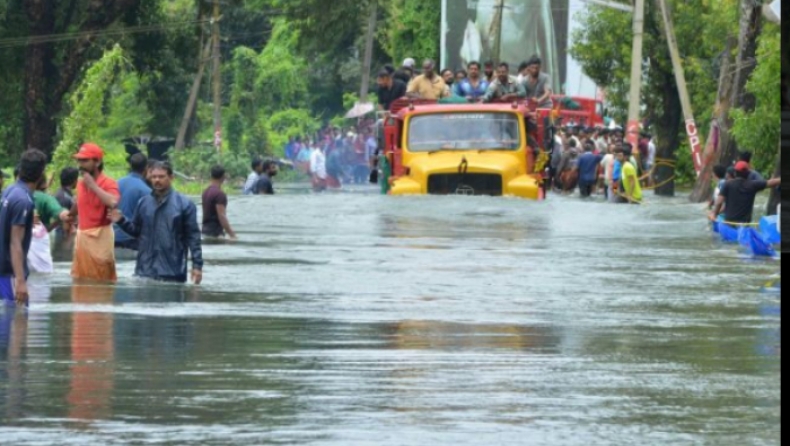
column 428, row 85
column 390, row 90
column 473, row 88
column 406, row 72
column 504, row 88
column 538, row 84
column 490, row 73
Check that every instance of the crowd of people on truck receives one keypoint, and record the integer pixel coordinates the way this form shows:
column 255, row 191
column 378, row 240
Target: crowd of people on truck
column 476, row 83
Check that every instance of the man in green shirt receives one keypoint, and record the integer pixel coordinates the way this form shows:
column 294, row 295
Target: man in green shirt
column 505, row 88
column 630, row 177
column 48, row 215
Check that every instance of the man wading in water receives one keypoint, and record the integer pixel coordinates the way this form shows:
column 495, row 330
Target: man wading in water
column 16, row 228
column 97, row 194
column 737, row 196
column 166, row 225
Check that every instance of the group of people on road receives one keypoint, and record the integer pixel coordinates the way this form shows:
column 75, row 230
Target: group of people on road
column 335, row 156
column 599, row 161
column 737, row 189
column 488, row 82
column 93, row 215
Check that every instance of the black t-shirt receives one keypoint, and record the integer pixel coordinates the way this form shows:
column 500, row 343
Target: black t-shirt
column 390, row 95
column 212, row 197
column 263, row 186
column 739, row 195
column 402, row 76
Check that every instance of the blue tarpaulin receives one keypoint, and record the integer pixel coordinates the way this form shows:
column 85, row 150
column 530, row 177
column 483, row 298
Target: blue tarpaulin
column 727, row 233
column 770, row 230
column 753, row 241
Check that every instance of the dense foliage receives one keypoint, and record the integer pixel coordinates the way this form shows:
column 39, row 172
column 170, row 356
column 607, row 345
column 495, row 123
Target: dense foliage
column 287, row 67
column 760, row 129
column 603, row 47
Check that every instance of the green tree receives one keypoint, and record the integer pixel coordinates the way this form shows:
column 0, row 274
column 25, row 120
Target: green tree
column 411, row 29
column 760, row 129
column 603, row 47
column 87, row 104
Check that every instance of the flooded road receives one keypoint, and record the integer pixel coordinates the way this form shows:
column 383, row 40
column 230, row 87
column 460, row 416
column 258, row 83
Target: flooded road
column 355, row 319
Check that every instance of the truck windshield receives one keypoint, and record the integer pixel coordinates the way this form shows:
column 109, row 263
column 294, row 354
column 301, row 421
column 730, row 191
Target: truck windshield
column 464, row 131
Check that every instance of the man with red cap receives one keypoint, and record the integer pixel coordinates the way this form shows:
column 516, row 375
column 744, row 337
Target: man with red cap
column 94, row 250
column 739, row 194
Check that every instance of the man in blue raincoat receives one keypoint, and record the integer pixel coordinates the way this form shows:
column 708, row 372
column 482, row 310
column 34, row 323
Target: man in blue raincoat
column 165, row 224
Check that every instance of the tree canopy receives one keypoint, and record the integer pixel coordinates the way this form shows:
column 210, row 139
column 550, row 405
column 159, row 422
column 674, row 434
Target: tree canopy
column 603, row 47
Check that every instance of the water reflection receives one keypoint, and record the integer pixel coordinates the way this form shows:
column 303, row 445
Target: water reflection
column 13, row 349
column 92, row 353
column 365, row 320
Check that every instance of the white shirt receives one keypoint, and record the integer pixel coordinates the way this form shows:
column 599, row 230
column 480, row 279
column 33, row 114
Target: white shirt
column 371, row 145
column 251, row 179
column 601, row 145
column 318, row 164
column 608, row 164
column 651, row 153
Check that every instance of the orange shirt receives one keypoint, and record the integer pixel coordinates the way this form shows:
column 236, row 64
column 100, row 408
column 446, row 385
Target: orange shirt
column 92, row 212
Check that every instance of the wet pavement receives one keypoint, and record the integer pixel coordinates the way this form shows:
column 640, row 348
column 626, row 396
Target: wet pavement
column 356, row 319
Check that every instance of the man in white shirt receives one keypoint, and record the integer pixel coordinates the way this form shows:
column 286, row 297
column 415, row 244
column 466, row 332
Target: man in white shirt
column 608, row 165
column 318, row 169
column 257, row 170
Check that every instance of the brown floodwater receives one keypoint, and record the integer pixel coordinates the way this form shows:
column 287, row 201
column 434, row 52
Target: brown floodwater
column 356, row 319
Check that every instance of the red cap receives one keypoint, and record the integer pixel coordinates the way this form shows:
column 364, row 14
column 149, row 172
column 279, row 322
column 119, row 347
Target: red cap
column 89, row 151
column 742, row 166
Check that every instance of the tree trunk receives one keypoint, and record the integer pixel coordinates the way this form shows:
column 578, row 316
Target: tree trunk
column 193, row 96
column 750, row 28
column 703, row 189
column 668, row 136
column 776, row 193
column 51, row 70
column 39, row 126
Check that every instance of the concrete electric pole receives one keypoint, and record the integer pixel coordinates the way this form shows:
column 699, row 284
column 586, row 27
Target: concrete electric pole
column 695, row 141
column 216, row 79
column 635, row 97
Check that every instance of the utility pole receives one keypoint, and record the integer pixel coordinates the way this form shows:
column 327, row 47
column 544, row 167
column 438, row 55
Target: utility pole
column 635, row 99
column 498, row 20
column 691, row 125
column 193, row 95
column 217, row 79
column 368, row 62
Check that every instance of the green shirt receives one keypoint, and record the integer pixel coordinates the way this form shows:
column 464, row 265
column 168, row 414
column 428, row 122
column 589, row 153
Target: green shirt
column 47, row 207
column 630, row 175
column 497, row 90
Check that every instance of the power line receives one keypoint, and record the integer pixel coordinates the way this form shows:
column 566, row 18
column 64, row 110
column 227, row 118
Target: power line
column 13, row 42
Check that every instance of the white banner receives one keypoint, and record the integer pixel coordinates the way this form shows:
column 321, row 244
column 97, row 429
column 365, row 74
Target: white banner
column 528, row 28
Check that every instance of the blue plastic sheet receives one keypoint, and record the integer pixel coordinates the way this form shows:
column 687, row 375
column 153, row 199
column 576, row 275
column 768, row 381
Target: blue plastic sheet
column 770, row 230
column 727, row 233
column 753, row 241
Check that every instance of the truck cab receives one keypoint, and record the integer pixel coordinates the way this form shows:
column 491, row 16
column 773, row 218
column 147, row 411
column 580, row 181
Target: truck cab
column 499, row 149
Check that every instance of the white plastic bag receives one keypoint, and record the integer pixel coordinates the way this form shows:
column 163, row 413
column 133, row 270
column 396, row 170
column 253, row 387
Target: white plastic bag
column 39, row 259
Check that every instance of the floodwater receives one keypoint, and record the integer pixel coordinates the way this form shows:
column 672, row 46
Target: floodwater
column 356, row 319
